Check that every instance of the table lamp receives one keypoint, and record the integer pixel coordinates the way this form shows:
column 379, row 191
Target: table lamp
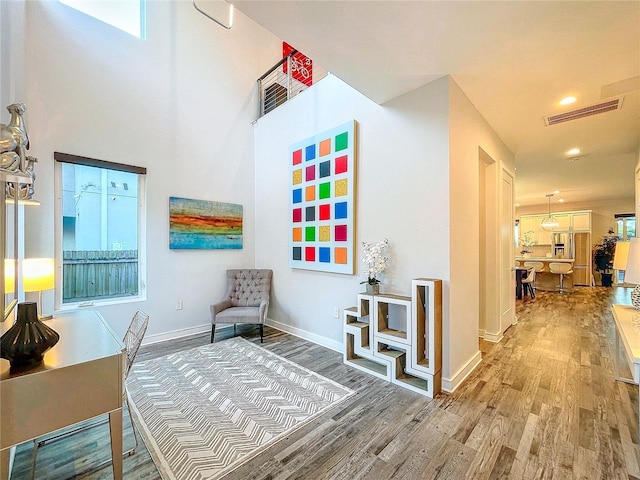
column 37, row 275
column 632, row 271
column 621, row 255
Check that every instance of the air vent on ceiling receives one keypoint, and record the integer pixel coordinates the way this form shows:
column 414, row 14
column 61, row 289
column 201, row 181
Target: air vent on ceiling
column 587, row 111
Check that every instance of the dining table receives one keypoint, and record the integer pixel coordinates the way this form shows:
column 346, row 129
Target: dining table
column 521, row 273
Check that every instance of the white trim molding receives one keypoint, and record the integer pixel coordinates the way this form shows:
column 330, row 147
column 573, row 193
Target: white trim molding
column 449, row 385
column 174, row 334
column 312, row 337
column 492, row 337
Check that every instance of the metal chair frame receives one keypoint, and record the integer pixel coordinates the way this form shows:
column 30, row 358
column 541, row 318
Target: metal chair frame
column 132, row 340
column 528, row 282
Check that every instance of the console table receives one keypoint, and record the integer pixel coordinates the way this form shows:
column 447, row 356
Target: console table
column 627, row 321
column 82, row 377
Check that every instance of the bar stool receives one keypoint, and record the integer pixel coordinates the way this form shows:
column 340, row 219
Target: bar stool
column 539, row 266
column 561, row 269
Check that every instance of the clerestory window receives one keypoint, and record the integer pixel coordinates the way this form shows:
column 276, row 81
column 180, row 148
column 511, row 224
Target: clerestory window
column 126, row 15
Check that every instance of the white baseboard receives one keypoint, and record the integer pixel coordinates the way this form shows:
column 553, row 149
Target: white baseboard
column 172, row 335
column 206, row 328
column 312, row 337
column 449, row 385
column 493, row 337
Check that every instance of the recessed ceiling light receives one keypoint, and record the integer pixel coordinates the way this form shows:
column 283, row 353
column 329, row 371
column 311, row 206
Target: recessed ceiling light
column 517, row 204
column 555, row 192
column 567, row 100
column 573, row 151
column 561, row 200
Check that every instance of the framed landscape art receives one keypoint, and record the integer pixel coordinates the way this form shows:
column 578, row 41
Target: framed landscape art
column 322, row 199
column 201, row 224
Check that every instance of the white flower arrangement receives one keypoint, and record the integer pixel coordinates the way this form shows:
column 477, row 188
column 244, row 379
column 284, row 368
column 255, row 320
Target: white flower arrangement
column 526, row 241
column 373, row 254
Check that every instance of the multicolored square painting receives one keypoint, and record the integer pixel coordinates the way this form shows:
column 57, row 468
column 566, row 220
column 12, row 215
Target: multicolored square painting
column 200, row 224
column 322, row 176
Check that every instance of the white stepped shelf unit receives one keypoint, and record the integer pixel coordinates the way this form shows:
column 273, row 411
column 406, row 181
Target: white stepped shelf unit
column 398, row 338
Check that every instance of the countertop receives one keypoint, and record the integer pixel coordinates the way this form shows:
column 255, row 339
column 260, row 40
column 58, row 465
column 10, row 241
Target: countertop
column 545, row 259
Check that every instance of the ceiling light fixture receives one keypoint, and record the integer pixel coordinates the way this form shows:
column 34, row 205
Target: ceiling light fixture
column 567, row 100
column 549, row 224
column 573, row 151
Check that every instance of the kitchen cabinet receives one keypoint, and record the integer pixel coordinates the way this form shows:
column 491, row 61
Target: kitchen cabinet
column 529, row 223
column 563, row 220
column 578, row 221
column 582, row 265
column 581, row 221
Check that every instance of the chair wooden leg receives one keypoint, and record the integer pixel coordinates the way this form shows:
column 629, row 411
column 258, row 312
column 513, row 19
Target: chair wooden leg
column 261, row 333
column 213, row 331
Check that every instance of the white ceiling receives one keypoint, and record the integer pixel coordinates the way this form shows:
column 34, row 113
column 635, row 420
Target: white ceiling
column 515, row 60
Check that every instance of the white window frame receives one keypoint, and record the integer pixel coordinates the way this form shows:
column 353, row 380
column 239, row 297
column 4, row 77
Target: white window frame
column 58, row 229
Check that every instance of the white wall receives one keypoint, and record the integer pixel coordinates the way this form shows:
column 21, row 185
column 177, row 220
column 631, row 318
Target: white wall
column 408, row 191
column 472, row 141
column 402, row 194
column 12, row 53
column 180, row 103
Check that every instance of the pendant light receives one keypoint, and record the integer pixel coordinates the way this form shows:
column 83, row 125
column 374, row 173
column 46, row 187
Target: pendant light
column 549, row 224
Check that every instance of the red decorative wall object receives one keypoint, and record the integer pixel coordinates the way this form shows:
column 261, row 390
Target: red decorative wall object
column 301, row 65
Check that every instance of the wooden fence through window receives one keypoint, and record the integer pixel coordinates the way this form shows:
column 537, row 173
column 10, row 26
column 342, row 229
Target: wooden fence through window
column 99, row 274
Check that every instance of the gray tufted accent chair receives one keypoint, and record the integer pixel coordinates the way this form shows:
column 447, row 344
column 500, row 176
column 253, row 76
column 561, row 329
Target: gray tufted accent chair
column 246, row 299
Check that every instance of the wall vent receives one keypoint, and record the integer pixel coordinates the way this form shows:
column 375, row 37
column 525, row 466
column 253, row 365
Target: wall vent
column 587, row 111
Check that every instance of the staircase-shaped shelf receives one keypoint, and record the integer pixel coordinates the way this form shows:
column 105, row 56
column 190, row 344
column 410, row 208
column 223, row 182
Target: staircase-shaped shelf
column 398, row 338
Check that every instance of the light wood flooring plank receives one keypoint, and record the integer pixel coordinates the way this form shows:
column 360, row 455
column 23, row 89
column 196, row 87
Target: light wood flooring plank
column 542, row 404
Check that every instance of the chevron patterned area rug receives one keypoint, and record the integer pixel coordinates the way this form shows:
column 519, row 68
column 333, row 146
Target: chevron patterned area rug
column 204, row 411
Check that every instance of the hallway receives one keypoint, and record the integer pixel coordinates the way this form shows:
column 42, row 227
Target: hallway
column 569, row 419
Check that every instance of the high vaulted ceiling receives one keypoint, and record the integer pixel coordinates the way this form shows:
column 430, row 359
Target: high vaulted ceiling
column 515, row 60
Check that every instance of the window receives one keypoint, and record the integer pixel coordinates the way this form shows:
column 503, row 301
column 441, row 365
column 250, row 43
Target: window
column 625, row 225
column 126, row 15
column 100, row 226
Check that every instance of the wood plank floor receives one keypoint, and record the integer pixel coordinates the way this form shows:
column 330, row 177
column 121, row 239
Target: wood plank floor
column 543, row 404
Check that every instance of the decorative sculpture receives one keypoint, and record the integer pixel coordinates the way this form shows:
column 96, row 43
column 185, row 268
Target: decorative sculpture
column 24, row 191
column 14, row 141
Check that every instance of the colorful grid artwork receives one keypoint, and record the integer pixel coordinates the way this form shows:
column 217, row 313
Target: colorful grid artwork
column 322, row 176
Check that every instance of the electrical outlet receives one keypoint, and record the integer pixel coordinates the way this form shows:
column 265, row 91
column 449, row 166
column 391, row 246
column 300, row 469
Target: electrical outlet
column 336, row 312
column 179, row 305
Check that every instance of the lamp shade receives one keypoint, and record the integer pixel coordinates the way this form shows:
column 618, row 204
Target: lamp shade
column 632, row 272
column 548, row 224
column 37, row 274
column 621, row 256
